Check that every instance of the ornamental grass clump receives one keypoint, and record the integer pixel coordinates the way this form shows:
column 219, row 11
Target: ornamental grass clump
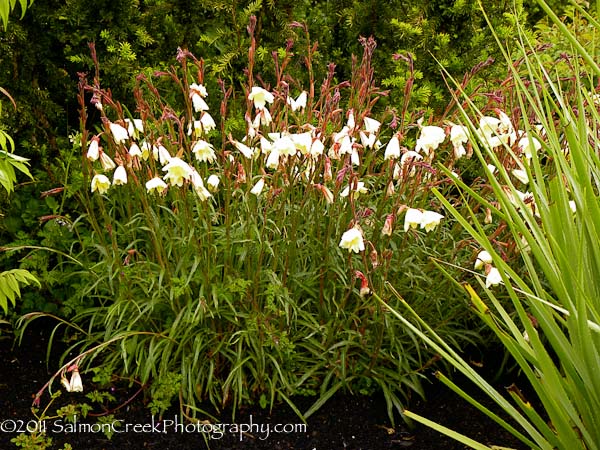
column 234, row 245
column 551, row 327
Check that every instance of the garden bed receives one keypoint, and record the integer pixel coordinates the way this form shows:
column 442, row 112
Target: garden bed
column 344, row 422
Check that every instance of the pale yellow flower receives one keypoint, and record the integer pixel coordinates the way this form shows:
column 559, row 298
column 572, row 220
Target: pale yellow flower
column 260, row 97
column 353, row 240
column 100, row 183
column 156, row 184
column 177, row 171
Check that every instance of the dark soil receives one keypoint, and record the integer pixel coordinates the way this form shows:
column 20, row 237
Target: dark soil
column 344, row 422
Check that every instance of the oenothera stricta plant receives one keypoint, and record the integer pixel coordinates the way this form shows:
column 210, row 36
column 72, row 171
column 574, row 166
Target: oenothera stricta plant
column 552, row 329
column 235, row 255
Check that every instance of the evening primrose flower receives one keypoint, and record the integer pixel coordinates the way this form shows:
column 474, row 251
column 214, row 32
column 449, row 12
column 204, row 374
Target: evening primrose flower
column 371, row 125
column 392, row 150
column 204, row 151
column 412, row 219
column 258, row 187
column 299, row 103
column 352, row 240
column 521, row 175
column 317, row 148
column 302, row 141
column 430, row 139
column 135, row 150
column 493, row 277
column 198, row 184
column 177, row 171
column 528, row 145
column 134, row 127
column 156, row 184
column 119, row 133
column 120, row 176
column 93, row 152
column 244, row 149
column 357, row 189
column 75, row 384
column 260, row 97
column 483, row 258
column 430, row 220
column 213, row 183
column 198, row 93
column 208, row 123
column 100, row 183
column 107, row 163
column 459, row 136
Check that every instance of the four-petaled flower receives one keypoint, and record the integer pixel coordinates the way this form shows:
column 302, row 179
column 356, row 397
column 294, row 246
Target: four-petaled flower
column 430, row 139
column 352, row 240
column 93, row 152
column 260, row 97
column 177, row 171
column 493, row 277
column 100, row 183
column 120, row 134
column 258, row 187
column 204, row 151
column 430, row 220
column 120, row 176
column 156, row 184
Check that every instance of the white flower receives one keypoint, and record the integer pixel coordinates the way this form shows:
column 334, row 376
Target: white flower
column 573, row 206
column 198, row 184
column 407, row 161
column 354, row 158
column 100, row 183
column 367, row 139
column 260, row 97
column 177, row 171
column 75, row 385
column 357, row 189
column 285, row 146
column 134, row 127
column 258, row 187
column 208, row 123
column 482, row 258
column 302, row 141
column 430, row 219
column 493, row 278
column 392, row 150
column 430, row 139
column 244, row 149
column 300, row 102
column 412, row 219
column 93, row 152
column 156, row 184
column 204, row 151
column 198, row 89
column 213, row 182
column 459, row 136
column 371, row 125
column 198, row 103
column 119, row 133
column 135, row 150
column 492, row 168
column 197, row 93
column 317, row 148
column 107, row 163
column 162, row 154
column 352, row 240
column 521, row 175
column 272, row 161
column 120, row 176
column 525, row 144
